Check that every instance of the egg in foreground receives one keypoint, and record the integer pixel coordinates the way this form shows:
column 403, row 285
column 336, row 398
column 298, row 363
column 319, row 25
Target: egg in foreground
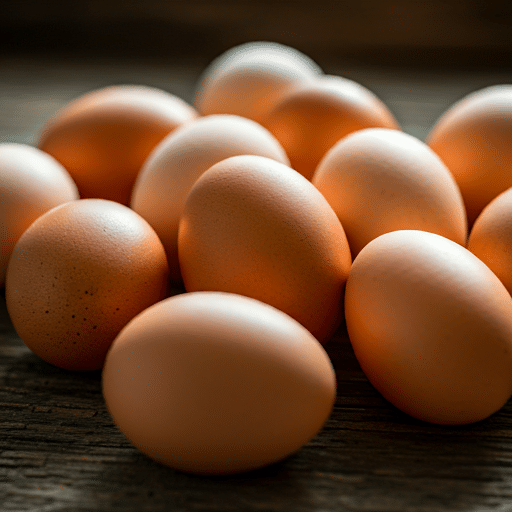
column 216, row 383
column 77, row 275
column 431, row 327
column 256, row 227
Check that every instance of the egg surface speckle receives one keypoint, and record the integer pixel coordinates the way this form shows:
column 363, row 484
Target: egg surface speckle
column 431, row 327
column 77, row 275
column 216, row 383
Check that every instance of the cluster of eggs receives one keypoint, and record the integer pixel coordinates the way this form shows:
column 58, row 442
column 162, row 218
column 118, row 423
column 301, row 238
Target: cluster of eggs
column 285, row 202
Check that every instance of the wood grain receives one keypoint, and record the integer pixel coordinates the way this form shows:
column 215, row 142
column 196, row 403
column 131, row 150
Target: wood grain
column 60, row 451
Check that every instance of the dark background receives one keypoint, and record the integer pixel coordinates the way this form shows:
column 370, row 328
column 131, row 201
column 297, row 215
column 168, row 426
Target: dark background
column 435, row 34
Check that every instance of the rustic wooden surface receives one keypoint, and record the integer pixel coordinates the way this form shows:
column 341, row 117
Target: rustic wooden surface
column 60, row 451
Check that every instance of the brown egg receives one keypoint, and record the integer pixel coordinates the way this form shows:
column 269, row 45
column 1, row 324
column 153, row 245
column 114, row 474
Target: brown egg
column 256, row 227
column 313, row 116
column 474, row 139
column 431, row 327
column 491, row 237
column 103, row 137
column 248, row 79
column 77, row 275
column 216, row 383
column 31, row 183
column 379, row 180
column 168, row 174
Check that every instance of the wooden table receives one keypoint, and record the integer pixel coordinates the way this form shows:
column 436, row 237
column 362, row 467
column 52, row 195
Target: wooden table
column 60, row 451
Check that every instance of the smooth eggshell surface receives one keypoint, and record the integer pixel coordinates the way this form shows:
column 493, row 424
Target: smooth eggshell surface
column 215, row 383
column 431, row 327
column 248, row 79
column 310, row 118
column 474, row 139
column 256, row 227
column 77, row 275
column 379, row 180
column 103, row 137
column 491, row 237
column 31, row 183
column 162, row 187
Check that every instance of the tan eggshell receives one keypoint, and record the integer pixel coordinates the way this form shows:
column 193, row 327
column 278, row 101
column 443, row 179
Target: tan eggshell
column 215, row 383
column 313, row 116
column 31, row 183
column 248, row 79
column 379, row 180
column 103, row 137
column 77, row 275
column 474, row 139
column 431, row 327
column 491, row 237
column 256, row 227
column 162, row 187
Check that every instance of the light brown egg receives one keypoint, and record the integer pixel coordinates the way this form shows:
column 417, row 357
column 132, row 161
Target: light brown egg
column 31, row 183
column 162, row 187
column 309, row 119
column 491, row 237
column 431, row 327
column 103, row 137
column 379, row 180
column 256, row 227
column 77, row 275
column 248, row 79
column 216, row 383
column 474, row 139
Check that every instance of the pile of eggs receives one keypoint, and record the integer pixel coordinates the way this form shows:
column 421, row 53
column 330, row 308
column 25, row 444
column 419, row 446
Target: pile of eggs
column 284, row 203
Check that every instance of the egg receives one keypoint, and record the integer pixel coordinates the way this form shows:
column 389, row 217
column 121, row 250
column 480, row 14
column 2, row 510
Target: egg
column 256, row 227
column 248, row 79
column 77, row 275
column 103, row 137
column 431, row 326
column 491, row 237
column 474, row 139
column 310, row 118
column 379, row 180
column 216, row 383
column 31, row 183
column 162, row 187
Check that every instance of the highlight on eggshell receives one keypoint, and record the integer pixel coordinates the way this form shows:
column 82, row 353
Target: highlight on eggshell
column 217, row 383
column 168, row 174
column 431, row 326
column 77, row 275
column 491, row 237
column 103, row 137
column 248, row 79
column 312, row 116
column 379, row 180
column 254, row 226
column 31, row 183
column 474, row 139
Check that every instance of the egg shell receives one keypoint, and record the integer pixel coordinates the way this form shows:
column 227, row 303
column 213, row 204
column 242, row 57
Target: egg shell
column 379, row 180
column 31, row 183
column 77, row 275
column 216, row 383
column 256, row 227
column 310, row 118
column 491, row 237
column 163, row 184
column 431, row 327
column 474, row 139
column 248, row 79
column 103, row 137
